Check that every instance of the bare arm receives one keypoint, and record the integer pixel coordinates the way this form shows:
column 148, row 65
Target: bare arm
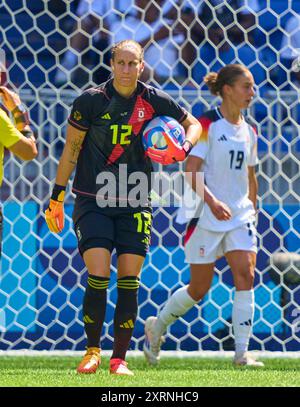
column 54, row 214
column 70, row 154
column 25, row 148
column 253, row 186
column 218, row 208
column 193, row 129
column 192, row 168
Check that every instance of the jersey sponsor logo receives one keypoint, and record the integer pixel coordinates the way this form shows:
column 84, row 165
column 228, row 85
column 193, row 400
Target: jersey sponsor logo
column 106, row 116
column 223, row 138
column 202, row 251
column 77, row 115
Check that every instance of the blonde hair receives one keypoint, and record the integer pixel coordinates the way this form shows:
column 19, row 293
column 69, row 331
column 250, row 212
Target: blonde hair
column 226, row 76
column 128, row 44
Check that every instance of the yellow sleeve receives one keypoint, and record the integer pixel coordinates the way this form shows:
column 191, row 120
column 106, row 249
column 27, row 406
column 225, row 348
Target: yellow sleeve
column 9, row 135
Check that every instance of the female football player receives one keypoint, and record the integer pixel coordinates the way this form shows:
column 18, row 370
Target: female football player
column 227, row 153
column 104, row 144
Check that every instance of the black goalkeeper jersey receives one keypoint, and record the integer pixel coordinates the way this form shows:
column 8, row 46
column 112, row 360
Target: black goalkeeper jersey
column 114, row 126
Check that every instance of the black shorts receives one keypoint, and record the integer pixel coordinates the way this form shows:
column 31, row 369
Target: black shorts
column 128, row 230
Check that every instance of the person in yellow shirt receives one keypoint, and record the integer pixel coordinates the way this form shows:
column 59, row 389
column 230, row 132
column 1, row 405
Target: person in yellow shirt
column 15, row 135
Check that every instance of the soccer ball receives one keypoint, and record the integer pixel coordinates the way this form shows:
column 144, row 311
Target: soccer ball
column 158, row 129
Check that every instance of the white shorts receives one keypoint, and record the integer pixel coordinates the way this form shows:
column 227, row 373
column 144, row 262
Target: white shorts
column 204, row 246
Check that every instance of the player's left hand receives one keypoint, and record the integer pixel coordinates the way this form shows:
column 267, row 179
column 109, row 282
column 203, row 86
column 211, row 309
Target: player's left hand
column 174, row 153
column 54, row 216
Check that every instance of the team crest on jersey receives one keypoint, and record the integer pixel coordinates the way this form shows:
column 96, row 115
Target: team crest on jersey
column 202, row 251
column 77, row 115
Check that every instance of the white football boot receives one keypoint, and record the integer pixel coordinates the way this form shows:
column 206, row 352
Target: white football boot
column 245, row 359
column 152, row 342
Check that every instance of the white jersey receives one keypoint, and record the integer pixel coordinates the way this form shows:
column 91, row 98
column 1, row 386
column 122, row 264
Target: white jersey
column 227, row 151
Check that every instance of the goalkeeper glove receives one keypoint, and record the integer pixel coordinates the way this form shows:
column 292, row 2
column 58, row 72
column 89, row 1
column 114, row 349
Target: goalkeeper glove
column 54, row 215
column 175, row 152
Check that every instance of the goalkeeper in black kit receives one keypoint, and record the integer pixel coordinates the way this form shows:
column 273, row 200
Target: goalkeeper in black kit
column 104, row 143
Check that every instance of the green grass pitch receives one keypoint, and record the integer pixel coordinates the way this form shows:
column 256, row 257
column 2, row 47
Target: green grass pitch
column 171, row 372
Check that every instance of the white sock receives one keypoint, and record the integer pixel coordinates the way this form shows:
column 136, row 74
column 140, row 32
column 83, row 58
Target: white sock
column 242, row 319
column 177, row 305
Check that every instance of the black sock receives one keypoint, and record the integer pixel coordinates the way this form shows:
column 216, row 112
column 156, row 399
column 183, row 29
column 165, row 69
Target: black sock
column 125, row 315
column 94, row 306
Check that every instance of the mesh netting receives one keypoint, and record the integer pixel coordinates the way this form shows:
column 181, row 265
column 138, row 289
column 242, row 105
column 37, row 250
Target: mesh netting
column 55, row 49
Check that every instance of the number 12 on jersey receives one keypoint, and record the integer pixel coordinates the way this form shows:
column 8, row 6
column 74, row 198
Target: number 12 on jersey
column 120, row 133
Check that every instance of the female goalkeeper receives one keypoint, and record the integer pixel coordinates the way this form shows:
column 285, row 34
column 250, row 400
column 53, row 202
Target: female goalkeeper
column 227, row 153
column 104, row 143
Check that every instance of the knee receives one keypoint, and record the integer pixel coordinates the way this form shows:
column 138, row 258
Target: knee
column 196, row 292
column 245, row 275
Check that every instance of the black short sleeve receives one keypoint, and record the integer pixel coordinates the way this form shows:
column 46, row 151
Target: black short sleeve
column 166, row 106
column 81, row 113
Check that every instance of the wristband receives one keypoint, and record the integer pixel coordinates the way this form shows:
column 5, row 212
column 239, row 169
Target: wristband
column 28, row 133
column 22, row 115
column 19, row 109
column 187, row 147
column 58, row 193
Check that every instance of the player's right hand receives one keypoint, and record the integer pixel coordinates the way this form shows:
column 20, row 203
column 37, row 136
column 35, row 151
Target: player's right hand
column 220, row 210
column 54, row 216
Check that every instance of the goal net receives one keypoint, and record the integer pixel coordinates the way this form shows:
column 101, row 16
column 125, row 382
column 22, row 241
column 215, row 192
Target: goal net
column 54, row 50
